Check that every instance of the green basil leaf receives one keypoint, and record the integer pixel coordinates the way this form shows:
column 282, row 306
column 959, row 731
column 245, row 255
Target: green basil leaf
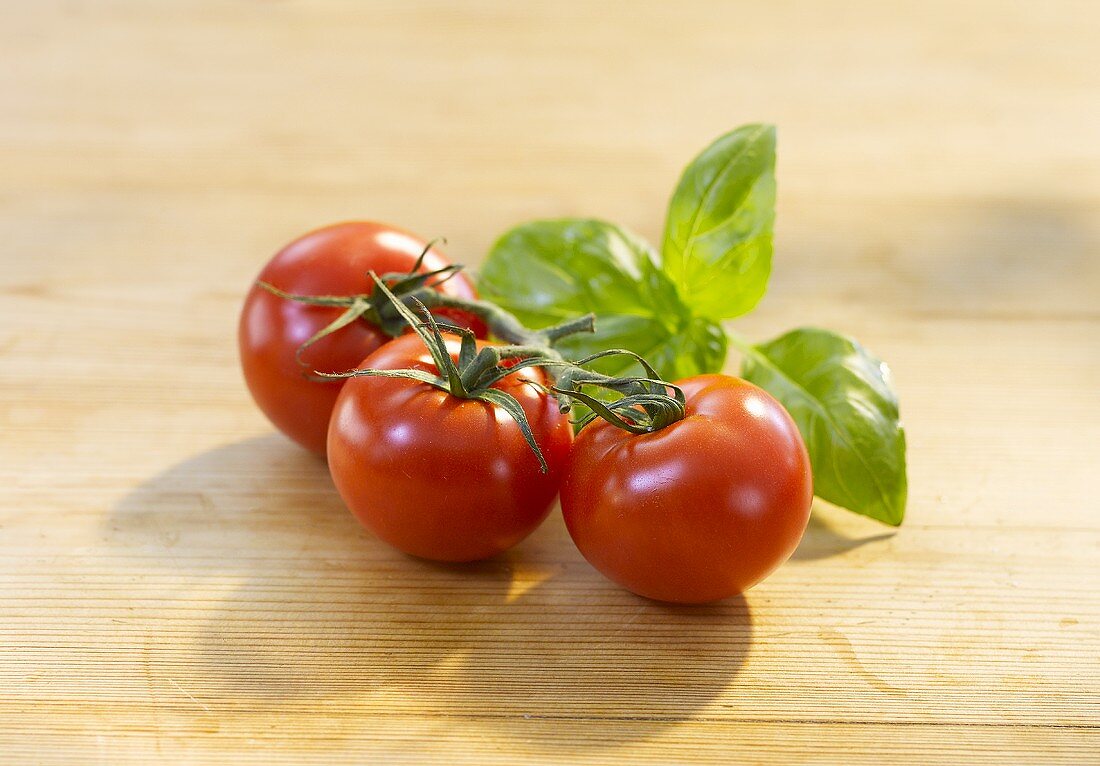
column 698, row 346
column 718, row 236
column 545, row 272
column 841, row 398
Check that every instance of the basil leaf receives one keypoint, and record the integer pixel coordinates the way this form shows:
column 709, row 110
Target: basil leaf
column 718, row 236
column 547, row 271
column 841, row 398
column 696, row 347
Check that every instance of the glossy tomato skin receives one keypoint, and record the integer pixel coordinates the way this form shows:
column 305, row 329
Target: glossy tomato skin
column 334, row 260
column 700, row 510
column 440, row 477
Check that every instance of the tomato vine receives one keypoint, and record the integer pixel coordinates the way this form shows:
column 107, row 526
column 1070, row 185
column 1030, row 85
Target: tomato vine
column 643, row 404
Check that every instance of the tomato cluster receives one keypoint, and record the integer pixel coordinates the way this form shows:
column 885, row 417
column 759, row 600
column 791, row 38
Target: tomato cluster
column 698, row 510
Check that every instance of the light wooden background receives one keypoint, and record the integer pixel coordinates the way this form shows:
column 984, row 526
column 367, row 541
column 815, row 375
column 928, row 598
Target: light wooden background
column 178, row 584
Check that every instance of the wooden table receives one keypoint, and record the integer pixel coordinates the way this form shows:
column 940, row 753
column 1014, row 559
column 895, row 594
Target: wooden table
column 179, row 584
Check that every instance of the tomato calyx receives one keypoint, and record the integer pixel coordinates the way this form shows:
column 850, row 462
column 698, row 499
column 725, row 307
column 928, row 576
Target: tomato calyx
column 361, row 307
column 401, row 301
column 644, row 404
column 475, row 372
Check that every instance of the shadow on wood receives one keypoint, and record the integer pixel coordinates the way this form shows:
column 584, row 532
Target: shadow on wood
column 292, row 609
column 823, row 539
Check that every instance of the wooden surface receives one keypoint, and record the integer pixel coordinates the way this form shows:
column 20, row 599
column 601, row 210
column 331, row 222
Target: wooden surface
column 179, row 584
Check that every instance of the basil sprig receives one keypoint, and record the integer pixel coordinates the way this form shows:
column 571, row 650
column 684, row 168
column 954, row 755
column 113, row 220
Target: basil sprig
column 714, row 265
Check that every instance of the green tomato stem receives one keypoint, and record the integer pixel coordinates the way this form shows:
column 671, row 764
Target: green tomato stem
column 644, row 404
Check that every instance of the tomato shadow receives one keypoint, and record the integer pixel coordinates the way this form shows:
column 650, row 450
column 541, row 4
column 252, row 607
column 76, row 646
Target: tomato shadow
column 271, row 599
column 223, row 510
column 508, row 646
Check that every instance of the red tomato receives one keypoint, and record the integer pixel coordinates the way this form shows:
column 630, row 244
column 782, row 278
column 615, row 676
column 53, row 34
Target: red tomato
column 437, row 476
column 334, row 260
column 700, row 510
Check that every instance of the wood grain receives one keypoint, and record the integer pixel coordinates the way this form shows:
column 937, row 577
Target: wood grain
column 179, row 584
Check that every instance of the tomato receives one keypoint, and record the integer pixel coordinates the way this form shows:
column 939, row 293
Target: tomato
column 438, row 476
column 699, row 510
column 334, row 260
